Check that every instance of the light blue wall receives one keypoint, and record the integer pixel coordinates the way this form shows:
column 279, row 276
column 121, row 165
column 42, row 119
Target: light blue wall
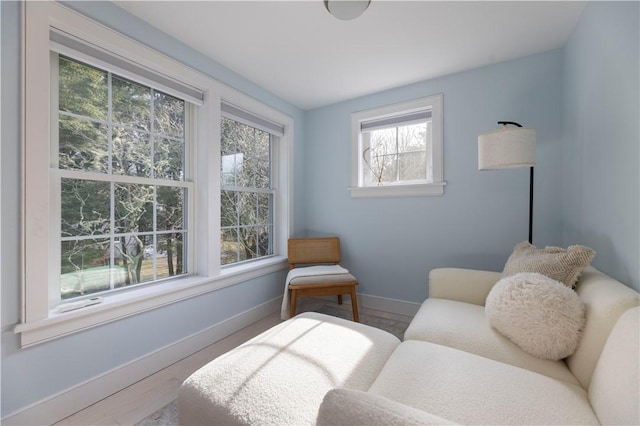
column 601, row 154
column 29, row 375
column 582, row 100
column 390, row 244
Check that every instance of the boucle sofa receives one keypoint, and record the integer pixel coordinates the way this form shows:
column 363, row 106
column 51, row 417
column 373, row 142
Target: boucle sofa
column 452, row 367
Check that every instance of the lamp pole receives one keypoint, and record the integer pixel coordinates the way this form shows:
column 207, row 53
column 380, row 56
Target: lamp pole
column 504, row 123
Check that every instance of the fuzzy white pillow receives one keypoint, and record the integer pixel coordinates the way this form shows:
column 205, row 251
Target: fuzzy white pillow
column 541, row 315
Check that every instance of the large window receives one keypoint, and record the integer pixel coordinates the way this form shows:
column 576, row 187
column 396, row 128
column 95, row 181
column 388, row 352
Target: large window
column 397, row 150
column 123, row 199
column 121, row 172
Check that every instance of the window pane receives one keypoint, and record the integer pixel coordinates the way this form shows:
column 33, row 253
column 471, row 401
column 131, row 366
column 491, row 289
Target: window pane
column 170, row 208
column 246, row 216
column 264, row 241
column 131, row 104
column 131, row 152
column 229, row 246
column 412, row 138
column 228, row 208
column 230, row 167
column 168, row 159
column 82, row 89
column 169, row 256
column 248, row 208
column 264, row 209
column 383, row 141
column 413, row 165
column 85, row 267
column 381, row 168
column 129, row 255
column 168, row 115
column 82, row 145
column 133, row 208
column 84, row 207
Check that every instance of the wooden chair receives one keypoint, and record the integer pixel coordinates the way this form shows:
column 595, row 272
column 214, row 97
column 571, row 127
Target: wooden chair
column 319, row 251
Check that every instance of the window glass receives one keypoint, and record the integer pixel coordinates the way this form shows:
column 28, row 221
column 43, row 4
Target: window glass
column 246, row 193
column 121, row 156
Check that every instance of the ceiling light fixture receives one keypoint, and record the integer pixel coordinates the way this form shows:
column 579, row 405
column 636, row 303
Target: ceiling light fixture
column 346, row 10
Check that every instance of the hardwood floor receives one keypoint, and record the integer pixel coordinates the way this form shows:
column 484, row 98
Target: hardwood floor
column 139, row 400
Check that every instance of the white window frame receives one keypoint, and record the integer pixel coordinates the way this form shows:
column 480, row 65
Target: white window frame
column 39, row 321
column 358, row 188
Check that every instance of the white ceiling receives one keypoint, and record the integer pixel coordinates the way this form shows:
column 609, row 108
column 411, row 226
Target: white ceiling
column 299, row 52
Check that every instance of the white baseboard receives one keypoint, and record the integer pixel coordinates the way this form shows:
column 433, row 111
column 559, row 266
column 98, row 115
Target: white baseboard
column 63, row 404
column 385, row 304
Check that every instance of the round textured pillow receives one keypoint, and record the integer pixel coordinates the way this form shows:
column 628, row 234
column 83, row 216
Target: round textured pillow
column 542, row 316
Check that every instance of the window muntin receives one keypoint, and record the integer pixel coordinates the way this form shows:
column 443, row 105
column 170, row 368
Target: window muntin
column 397, row 154
column 121, row 165
column 397, row 149
column 247, row 194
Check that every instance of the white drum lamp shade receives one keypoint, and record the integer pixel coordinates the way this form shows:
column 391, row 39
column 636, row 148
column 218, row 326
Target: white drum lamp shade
column 507, row 148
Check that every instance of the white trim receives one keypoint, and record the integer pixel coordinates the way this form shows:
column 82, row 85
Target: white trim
column 63, row 404
column 126, row 303
column 385, row 304
column 398, row 190
column 402, row 189
column 38, row 322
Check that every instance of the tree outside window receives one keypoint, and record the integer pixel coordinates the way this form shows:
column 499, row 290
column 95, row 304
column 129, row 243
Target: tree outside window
column 121, row 162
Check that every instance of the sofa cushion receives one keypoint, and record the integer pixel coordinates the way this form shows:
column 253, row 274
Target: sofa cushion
column 615, row 387
column 537, row 313
column 464, row 326
column 470, row 389
column 281, row 376
column 352, row 407
column 606, row 299
column 562, row 265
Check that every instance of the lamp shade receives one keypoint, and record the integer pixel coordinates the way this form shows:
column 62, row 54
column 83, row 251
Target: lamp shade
column 507, row 148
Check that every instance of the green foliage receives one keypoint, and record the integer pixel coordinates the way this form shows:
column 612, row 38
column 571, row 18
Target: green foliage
column 141, row 134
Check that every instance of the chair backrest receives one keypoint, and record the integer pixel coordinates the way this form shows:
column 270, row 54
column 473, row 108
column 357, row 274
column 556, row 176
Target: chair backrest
column 313, row 250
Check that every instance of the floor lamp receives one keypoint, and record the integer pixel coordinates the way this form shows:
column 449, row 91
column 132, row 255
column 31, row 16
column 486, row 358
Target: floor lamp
column 506, row 148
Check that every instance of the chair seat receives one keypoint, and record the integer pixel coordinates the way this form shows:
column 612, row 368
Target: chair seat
column 335, row 279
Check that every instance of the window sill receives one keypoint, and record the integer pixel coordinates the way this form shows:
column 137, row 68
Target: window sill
column 134, row 301
column 418, row 190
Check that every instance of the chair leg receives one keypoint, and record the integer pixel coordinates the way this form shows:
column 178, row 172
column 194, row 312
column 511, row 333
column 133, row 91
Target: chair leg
column 354, row 305
column 339, row 299
column 292, row 308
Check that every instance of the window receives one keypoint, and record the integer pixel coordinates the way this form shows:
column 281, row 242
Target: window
column 119, row 167
column 123, row 151
column 397, row 150
column 247, row 196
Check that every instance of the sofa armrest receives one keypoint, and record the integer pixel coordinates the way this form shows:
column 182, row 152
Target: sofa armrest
column 462, row 285
column 352, row 407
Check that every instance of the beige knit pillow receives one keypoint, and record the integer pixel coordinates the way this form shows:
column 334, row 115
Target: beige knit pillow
column 564, row 265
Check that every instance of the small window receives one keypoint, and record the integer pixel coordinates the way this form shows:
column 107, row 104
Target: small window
column 397, row 150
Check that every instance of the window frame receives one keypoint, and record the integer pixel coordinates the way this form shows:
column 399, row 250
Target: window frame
column 40, row 323
column 358, row 188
